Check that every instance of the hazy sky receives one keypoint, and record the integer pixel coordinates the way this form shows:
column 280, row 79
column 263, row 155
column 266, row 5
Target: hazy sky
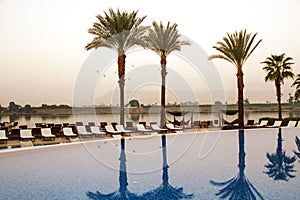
column 42, row 45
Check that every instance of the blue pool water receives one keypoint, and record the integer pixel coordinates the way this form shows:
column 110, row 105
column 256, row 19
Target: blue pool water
column 250, row 164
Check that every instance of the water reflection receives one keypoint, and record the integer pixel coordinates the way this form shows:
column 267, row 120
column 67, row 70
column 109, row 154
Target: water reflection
column 133, row 116
column 123, row 193
column 14, row 117
column 238, row 187
column 164, row 191
column 297, row 141
column 27, row 117
column 280, row 166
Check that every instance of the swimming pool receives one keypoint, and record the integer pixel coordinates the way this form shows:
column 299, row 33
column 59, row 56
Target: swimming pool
column 258, row 163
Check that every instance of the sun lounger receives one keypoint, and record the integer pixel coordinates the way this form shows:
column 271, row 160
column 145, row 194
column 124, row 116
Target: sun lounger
column 196, row 124
column 155, row 127
column 172, row 128
column 141, row 128
column 79, row 123
column 102, row 126
column 68, row 132
column 117, row 136
column 122, row 129
column 81, row 130
column 291, row 124
column 129, row 125
column 3, row 136
column 47, row 134
column 110, row 130
column 91, row 123
column 15, row 134
column 276, row 124
column 262, row 123
column 26, row 134
column 96, row 131
column 36, row 133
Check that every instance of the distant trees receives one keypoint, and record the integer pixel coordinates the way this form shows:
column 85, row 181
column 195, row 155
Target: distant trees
column 134, row 103
column 12, row 107
column 62, row 106
column 15, row 108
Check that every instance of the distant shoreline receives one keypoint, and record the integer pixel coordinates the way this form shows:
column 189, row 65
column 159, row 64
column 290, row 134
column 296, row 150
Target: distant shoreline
column 156, row 109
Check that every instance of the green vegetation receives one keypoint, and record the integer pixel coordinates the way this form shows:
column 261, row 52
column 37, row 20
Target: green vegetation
column 134, row 103
column 118, row 31
column 278, row 68
column 163, row 40
column 45, row 109
column 236, row 49
column 297, row 85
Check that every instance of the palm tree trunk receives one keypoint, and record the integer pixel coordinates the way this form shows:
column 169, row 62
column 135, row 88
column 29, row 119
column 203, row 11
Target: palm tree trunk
column 278, row 93
column 240, row 84
column 121, row 71
column 163, row 63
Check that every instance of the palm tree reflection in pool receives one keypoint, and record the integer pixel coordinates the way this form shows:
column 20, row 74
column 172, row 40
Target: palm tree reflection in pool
column 123, row 193
column 165, row 190
column 297, row 141
column 238, row 187
column 280, row 166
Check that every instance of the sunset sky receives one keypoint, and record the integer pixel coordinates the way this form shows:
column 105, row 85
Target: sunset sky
column 42, row 48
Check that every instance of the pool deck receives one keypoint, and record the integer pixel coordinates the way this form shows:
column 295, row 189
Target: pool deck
column 62, row 140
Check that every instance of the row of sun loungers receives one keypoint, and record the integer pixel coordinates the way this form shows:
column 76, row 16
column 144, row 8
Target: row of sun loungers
column 276, row 124
column 81, row 130
column 114, row 130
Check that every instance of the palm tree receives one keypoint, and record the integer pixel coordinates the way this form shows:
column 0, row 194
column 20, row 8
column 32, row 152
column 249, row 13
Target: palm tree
column 297, row 84
column 163, row 40
column 278, row 68
column 280, row 166
column 118, row 31
column 236, row 49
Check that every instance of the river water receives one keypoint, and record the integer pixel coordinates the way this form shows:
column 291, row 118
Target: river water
column 30, row 120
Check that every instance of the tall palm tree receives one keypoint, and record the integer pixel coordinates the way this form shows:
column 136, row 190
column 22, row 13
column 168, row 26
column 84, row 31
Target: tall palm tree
column 236, row 49
column 118, row 31
column 278, row 68
column 280, row 166
column 163, row 40
column 297, row 84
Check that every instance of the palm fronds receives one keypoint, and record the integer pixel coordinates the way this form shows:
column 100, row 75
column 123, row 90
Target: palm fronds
column 164, row 39
column 118, row 30
column 236, row 48
column 278, row 68
column 297, row 84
